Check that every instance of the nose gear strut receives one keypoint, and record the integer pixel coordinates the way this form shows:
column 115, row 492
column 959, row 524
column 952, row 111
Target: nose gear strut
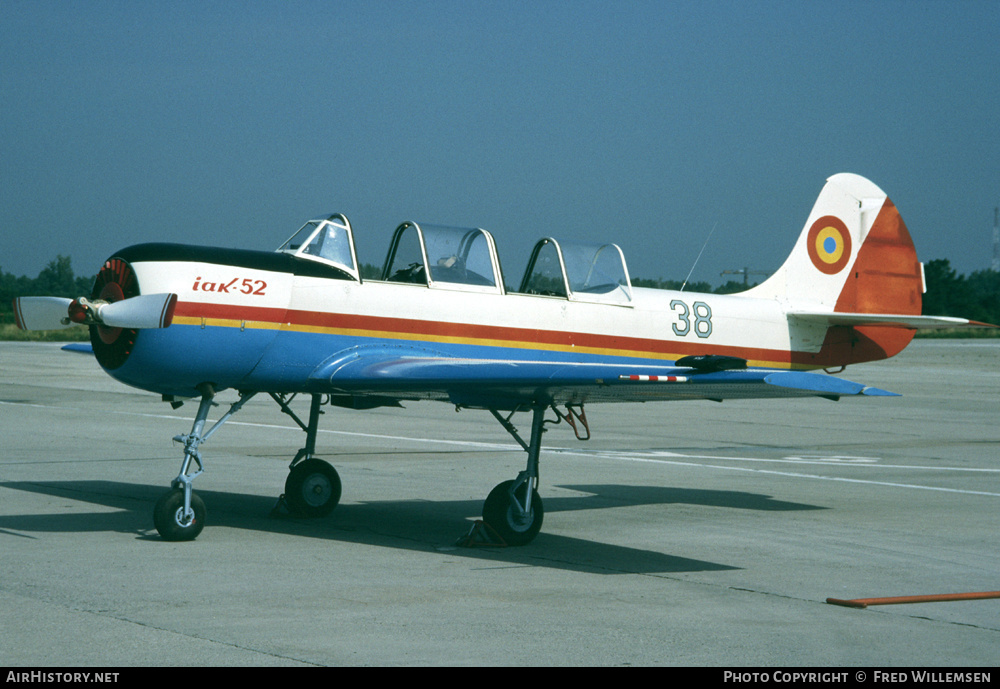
column 180, row 514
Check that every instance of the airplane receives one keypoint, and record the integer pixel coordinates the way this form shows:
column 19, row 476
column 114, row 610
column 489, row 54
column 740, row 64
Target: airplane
column 439, row 323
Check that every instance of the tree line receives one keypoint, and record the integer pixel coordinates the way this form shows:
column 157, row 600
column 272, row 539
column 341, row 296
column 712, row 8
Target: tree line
column 976, row 296
column 56, row 280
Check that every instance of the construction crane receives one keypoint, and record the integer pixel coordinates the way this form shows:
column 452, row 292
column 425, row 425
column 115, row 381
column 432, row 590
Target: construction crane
column 746, row 273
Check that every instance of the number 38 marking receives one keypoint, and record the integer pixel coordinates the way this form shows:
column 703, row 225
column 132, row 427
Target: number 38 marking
column 702, row 318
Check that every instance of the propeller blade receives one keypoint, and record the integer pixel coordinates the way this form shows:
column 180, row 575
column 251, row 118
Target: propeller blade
column 144, row 311
column 42, row 313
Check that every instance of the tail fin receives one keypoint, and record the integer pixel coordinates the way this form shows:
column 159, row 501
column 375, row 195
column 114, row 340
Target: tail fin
column 853, row 266
column 852, row 287
column 854, row 255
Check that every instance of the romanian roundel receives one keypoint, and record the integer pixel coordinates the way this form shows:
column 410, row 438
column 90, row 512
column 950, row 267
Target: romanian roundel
column 829, row 244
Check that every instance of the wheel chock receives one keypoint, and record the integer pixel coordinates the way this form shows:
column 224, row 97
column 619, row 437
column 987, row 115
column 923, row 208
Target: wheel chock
column 280, row 509
column 481, row 535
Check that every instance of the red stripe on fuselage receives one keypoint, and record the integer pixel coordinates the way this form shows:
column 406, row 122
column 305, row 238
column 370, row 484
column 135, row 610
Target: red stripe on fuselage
column 490, row 335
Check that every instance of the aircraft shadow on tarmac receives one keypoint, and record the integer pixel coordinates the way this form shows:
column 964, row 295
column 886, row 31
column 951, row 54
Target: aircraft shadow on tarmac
column 407, row 524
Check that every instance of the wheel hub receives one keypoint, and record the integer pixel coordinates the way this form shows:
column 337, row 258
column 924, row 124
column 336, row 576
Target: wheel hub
column 317, row 490
column 182, row 519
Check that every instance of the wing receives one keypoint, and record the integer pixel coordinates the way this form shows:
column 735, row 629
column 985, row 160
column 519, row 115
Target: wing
column 392, row 373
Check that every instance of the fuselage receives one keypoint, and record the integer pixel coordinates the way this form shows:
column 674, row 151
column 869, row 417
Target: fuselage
column 272, row 322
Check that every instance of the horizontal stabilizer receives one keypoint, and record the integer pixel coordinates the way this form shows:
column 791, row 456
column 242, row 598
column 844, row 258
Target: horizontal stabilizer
column 42, row 313
column 831, row 318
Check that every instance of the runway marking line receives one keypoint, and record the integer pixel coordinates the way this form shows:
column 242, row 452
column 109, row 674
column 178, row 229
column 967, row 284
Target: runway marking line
column 656, row 457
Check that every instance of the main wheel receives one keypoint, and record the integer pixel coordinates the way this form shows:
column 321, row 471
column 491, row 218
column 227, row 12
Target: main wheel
column 312, row 488
column 168, row 516
column 500, row 512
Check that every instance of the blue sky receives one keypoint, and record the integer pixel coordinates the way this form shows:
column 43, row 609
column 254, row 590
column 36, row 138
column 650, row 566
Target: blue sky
column 644, row 123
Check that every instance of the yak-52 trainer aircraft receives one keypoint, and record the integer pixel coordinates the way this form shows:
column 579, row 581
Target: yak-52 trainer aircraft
column 440, row 324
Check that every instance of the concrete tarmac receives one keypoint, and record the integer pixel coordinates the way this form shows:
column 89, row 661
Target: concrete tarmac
column 693, row 534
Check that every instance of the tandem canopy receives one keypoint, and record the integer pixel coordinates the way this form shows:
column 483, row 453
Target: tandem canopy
column 466, row 259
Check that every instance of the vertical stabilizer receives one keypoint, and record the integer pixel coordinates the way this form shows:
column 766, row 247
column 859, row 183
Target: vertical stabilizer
column 853, row 255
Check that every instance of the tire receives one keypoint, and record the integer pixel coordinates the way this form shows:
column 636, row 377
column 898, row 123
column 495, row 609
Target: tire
column 168, row 516
column 504, row 518
column 312, row 488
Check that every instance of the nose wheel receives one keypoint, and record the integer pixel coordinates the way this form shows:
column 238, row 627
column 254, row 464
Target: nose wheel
column 173, row 521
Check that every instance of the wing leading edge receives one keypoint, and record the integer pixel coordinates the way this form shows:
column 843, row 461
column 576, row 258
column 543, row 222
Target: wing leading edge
column 509, row 383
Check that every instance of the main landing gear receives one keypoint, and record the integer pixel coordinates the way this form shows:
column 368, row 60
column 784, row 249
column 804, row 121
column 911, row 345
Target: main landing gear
column 313, row 487
column 513, row 509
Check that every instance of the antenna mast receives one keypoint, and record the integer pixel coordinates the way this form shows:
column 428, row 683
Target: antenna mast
column 684, row 284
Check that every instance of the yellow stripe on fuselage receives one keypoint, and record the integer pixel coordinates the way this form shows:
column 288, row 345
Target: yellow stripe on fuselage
column 481, row 342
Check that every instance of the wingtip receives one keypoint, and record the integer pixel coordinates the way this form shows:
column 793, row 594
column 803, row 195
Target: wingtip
column 830, row 387
column 78, row 348
column 878, row 392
